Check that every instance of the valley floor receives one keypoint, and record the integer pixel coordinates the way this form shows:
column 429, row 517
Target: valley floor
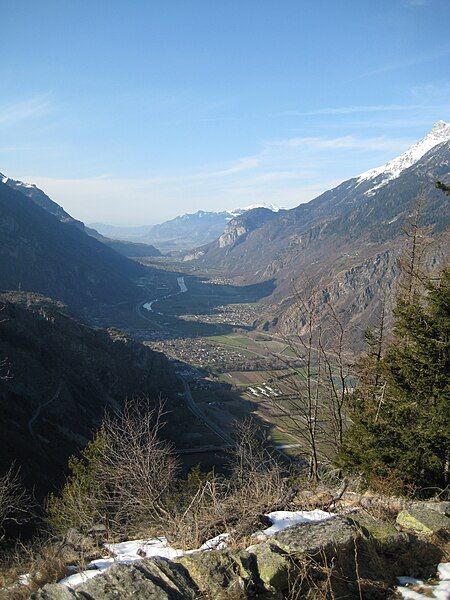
column 229, row 370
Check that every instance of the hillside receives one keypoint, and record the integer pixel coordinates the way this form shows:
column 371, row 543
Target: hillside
column 236, row 232
column 41, row 253
column 40, row 198
column 345, row 243
column 61, row 376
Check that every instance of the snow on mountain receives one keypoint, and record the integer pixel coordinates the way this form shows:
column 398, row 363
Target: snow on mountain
column 239, row 211
column 15, row 183
column 392, row 169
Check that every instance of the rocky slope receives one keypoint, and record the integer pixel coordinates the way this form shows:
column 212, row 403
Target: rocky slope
column 236, row 232
column 353, row 556
column 59, row 378
column 345, row 244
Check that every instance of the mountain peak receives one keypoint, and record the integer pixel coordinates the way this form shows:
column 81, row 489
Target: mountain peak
column 241, row 210
column 392, row 169
column 441, row 129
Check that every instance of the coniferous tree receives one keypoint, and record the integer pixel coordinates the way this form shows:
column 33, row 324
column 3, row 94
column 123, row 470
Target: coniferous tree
column 405, row 434
column 442, row 186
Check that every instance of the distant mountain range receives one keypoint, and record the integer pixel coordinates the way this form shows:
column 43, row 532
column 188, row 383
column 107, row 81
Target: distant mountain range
column 183, row 232
column 345, row 243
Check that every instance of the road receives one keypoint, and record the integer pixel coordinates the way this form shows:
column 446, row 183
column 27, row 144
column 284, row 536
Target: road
column 197, row 411
column 37, row 412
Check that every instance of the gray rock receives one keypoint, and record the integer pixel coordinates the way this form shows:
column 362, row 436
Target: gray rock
column 423, row 520
column 273, row 565
column 54, row 591
column 141, row 581
column 441, row 507
column 312, row 538
column 216, row 571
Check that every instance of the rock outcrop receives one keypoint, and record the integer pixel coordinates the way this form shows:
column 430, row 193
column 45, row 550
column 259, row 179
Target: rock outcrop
column 357, row 556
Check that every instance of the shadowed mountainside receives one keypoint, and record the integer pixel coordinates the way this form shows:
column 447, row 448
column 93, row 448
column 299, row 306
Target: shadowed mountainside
column 41, row 253
column 40, row 198
column 60, row 377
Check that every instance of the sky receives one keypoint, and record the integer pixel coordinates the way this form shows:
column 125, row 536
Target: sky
column 132, row 112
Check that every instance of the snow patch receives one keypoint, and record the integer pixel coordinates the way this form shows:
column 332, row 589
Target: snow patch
column 282, row 519
column 239, row 211
column 135, row 550
column 392, row 169
column 416, row 589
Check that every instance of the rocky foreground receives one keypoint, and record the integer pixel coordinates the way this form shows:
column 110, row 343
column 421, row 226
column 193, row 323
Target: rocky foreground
column 358, row 555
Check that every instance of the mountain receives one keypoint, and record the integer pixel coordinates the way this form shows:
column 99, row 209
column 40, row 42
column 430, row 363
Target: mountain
column 59, row 378
column 52, row 255
column 345, row 243
column 41, row 199
column 235, row 232
column 189, row 230
column 128, row 249
column 183, row 232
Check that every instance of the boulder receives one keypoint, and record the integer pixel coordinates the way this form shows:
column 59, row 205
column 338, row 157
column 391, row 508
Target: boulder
column 421, row 519
column 127, row 581
column 216, row 570
column 54, row 591
column 311, row 539
column 273, row 565
column 442, row 507
column 383, row 532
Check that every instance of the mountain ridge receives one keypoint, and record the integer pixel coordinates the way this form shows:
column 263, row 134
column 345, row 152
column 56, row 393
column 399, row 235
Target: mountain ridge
column 41, row 253
column 183, row 232
column 345, row 243
column 40, row 198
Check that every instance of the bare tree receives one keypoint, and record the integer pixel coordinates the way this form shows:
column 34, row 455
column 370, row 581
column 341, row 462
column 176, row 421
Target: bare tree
column 337, row 374
column 416, row 244
column 236, row 505
column 314, row 381
column 14, row 499
column 138, row 468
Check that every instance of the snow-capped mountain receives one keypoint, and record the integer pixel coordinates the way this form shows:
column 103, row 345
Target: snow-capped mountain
column 392, row 169
column 343, row 246
column 185, row 231
column 240, row 211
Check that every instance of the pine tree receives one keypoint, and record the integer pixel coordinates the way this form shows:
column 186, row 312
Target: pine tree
column 442, row 186
column 405, row 434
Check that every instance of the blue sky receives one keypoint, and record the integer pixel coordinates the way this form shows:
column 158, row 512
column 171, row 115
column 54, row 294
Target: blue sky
column 133, row 112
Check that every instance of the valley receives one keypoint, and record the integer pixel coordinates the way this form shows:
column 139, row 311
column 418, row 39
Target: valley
column 229, row 369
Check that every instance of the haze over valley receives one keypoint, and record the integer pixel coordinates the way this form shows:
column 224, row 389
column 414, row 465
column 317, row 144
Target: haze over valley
column 224, row 301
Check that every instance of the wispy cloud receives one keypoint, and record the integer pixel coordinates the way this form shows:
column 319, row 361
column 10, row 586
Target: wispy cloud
column 409, row 62
column 349, row 110
column 284, row 171
column 344, row 142
column 13, row 113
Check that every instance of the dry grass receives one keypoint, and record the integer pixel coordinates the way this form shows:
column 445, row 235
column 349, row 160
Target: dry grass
column 43, row 562
column 236, row 505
